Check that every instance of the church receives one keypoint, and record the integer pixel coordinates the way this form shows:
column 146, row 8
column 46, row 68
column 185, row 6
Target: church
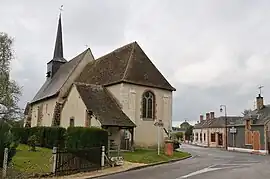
column 122, row 92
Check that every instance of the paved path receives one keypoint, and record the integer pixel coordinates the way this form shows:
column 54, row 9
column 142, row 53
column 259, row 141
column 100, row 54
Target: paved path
column 206, row 164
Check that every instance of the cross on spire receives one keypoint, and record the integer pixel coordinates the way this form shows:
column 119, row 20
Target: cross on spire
column 260, row 88
column 61, row 8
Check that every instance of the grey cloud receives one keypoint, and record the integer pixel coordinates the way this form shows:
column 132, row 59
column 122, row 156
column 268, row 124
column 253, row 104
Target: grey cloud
column 212, row 51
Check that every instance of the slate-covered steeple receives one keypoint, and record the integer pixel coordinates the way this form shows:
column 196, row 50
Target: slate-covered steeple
column 58, row 49
column 58, row 57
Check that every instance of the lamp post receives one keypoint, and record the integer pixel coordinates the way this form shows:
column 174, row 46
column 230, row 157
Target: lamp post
column 226, row 133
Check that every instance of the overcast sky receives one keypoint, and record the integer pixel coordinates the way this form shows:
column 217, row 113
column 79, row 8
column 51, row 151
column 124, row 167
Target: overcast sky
column 213, row 52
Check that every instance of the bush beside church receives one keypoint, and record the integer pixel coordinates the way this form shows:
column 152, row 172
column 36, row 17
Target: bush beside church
column 71, row 138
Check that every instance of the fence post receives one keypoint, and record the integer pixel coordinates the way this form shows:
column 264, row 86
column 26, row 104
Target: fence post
column 5, row 163
column 54, row 157
column 102, row 157
column 118, row 150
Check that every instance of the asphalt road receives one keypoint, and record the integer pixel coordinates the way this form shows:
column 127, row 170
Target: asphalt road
column 206, row 164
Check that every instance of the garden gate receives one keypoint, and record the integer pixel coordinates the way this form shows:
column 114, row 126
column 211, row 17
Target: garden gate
column 73, row 161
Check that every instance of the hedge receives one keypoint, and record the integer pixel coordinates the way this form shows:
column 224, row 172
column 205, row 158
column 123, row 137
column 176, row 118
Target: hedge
column 48, row 137
column 81, row 137
column 72, row 138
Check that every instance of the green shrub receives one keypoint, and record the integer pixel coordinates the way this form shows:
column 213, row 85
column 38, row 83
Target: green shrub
column 48, row 137
column 6, row 141
column 20, row 134
column 81, row 137
column 32, row 142
column 54, row 137
column 73, row 138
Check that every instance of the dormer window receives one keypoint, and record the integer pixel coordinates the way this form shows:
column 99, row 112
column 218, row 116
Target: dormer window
column 248, row 124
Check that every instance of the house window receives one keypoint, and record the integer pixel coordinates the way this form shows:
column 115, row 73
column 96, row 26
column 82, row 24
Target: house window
column 71, row 122
column 148, row 105
column 196, row 137
column 200, row 136
column 213, row 137
column 204, row 136
column 39, row 116
column 248, row 125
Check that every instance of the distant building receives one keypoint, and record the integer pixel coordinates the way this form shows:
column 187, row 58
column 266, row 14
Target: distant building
column 211, row 132
column 252, row 134
column 183, row 127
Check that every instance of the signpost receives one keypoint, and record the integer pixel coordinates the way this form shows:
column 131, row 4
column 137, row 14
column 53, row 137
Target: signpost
column 159, row 124
column 233, row 132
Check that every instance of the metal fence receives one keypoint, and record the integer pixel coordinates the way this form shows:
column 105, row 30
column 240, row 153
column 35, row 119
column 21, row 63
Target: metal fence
column 73, row 161
column 54, row 162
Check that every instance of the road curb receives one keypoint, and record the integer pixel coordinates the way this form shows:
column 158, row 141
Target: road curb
column 159, row 163
column 144, row 166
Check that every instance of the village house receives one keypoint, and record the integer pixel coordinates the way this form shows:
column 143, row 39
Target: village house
column 212, row 131
column 253, row 133
column 122, row 92
column 200, row 130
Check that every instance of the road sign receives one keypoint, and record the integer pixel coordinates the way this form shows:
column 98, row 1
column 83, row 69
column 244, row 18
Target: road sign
column 158, row 124
column 233, row 130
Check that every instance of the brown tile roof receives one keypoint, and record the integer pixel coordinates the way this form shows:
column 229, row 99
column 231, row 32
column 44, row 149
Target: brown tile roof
column 98, row 100
column 127, row 64
column 259, row 116
column 52, row 86
column 218, row 122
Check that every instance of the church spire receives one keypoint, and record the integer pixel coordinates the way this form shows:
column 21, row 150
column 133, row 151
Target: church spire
column 58, row 49
column 58, row 57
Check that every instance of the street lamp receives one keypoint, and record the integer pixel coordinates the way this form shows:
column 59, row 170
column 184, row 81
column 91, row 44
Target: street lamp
column 226, row 135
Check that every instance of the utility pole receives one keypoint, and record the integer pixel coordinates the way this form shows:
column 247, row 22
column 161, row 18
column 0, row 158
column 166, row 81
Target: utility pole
column 226, row 123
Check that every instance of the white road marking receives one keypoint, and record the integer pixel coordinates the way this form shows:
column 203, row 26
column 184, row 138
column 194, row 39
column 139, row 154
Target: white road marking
column 199, row 172
column 210, row 169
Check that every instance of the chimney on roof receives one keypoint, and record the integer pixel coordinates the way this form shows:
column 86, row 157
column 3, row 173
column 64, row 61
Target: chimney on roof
column 207, row 115
column 201, row 118
column 259, row 101
column 212, row 115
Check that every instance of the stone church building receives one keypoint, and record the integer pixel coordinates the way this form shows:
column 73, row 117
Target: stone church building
column 120, row 91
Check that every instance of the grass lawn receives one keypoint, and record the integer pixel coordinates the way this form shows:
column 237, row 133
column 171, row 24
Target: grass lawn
column 32, row 162
column 148, row 156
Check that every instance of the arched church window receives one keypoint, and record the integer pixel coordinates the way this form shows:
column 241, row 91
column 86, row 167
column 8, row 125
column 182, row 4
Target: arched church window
column 148, row 105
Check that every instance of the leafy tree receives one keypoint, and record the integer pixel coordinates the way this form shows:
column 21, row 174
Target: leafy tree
column 179, row 135
column 188, row 133
column 9, row 89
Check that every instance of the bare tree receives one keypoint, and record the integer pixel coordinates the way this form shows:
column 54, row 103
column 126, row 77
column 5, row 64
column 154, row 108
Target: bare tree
column 9, row 89
column 246, row 112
